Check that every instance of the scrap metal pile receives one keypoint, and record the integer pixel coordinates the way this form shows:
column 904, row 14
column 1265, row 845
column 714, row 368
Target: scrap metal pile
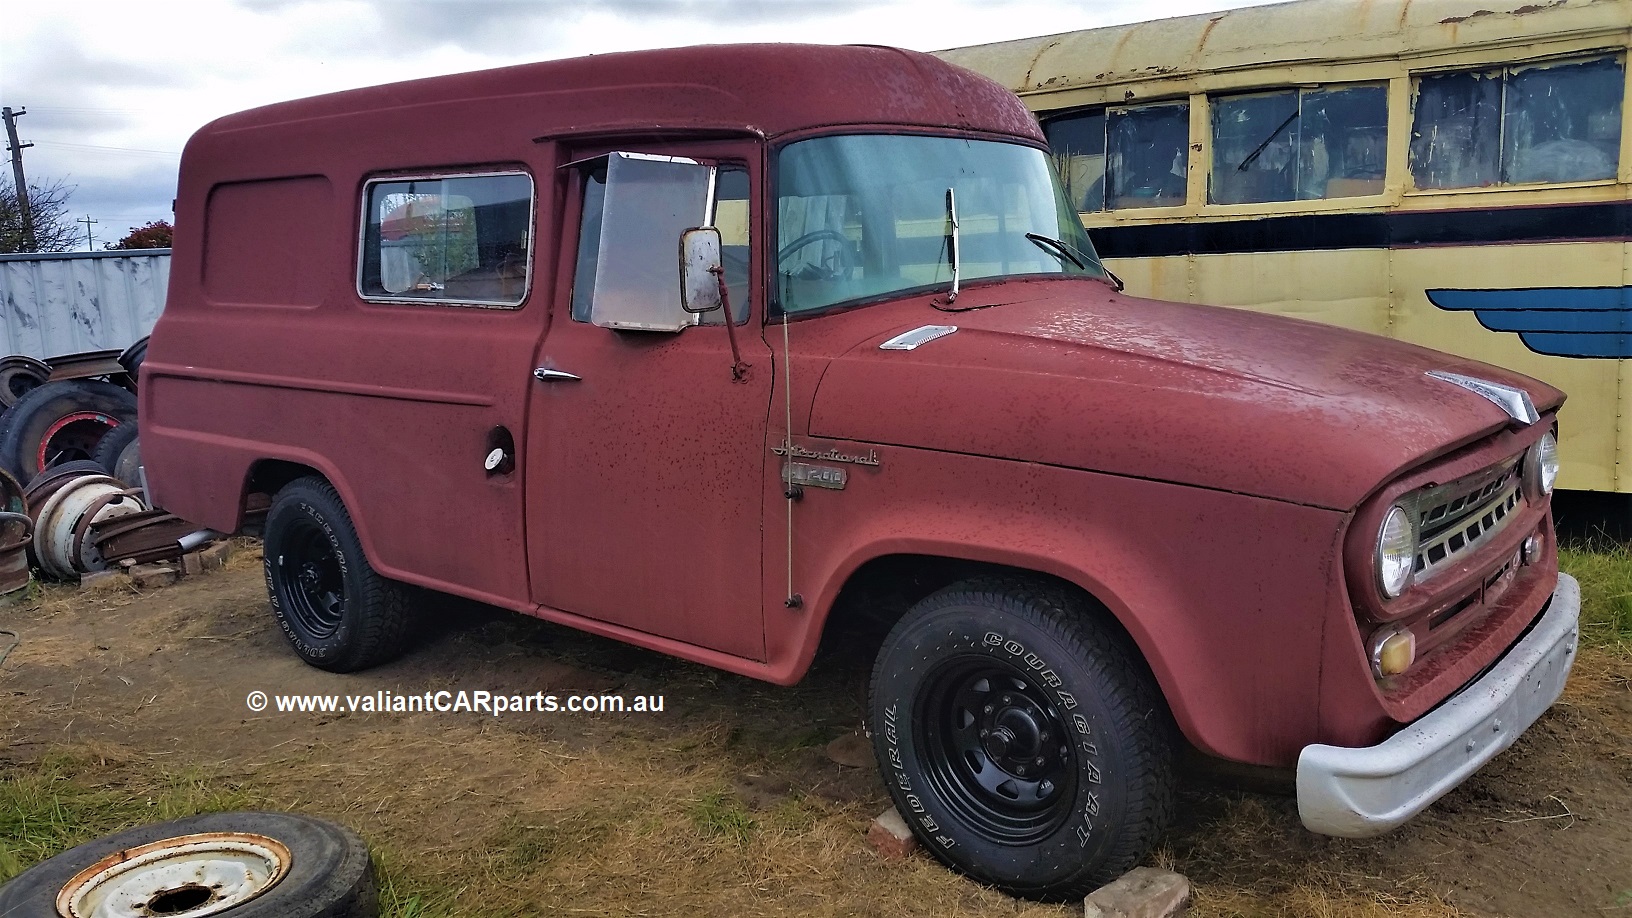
column 69, row 429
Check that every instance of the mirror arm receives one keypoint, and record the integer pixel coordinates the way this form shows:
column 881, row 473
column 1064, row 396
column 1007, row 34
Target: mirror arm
column 739, row 370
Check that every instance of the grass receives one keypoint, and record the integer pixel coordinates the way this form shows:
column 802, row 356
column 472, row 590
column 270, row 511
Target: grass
column 52, row 807
column 1605, row 573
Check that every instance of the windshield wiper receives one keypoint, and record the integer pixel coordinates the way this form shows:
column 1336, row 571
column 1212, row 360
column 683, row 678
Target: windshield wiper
column 952, row 240
column 1060, row 250
column 1251, row 157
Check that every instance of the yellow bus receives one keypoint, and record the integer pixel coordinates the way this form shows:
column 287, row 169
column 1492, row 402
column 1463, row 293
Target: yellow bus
column 1455, row 173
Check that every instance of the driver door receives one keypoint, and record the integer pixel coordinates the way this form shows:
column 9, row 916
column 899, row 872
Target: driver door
column 646, row 456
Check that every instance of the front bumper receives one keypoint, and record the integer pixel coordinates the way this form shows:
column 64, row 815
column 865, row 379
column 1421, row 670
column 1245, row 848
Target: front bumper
column 1357, row 793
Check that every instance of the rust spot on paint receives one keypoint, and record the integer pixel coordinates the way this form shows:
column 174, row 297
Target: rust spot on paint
column 1037, row 57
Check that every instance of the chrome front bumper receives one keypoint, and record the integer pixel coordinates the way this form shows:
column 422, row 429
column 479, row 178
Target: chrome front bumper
column 1357, row 793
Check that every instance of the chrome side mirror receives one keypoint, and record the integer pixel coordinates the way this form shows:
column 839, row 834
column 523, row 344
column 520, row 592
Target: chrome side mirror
column 700, row 270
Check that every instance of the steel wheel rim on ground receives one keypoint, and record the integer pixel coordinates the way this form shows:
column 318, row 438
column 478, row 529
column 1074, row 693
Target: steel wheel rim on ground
column 189, row 876
column 996, row 750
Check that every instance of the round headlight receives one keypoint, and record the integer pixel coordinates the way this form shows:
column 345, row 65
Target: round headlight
column 1541, row 468
column 1396, row 552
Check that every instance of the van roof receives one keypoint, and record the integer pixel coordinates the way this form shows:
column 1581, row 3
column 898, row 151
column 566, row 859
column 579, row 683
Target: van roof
column 764, row 89
column 1304, row 32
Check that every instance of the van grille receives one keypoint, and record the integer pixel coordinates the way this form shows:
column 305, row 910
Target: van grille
column 1456, row 518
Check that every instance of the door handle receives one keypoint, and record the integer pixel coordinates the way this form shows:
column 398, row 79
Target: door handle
column 548, row 375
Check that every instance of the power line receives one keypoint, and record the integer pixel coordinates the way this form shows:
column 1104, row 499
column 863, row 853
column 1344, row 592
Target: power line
column 96, row 148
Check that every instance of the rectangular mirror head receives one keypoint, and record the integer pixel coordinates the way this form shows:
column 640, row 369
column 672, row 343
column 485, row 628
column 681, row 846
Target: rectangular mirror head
column 699, row 262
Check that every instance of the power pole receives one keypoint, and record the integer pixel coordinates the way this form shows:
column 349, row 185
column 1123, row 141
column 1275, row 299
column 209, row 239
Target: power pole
column 16, row 151
column 89, row 239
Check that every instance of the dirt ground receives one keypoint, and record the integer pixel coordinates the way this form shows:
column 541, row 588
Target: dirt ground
column 725, row 803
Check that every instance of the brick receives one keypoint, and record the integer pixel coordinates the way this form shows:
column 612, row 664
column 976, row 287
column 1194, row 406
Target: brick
column 192, row 563
column 1143, row 892
column 890, row 836
column 216, row 555
column 148, row 576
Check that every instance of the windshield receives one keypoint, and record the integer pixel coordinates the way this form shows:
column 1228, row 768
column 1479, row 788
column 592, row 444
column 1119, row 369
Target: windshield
column 865, row 216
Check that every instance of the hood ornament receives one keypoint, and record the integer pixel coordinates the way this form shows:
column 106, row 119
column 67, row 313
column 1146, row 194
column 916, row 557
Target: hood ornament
column 1511, row 399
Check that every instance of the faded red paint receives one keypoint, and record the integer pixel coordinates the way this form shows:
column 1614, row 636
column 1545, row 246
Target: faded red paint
column 1213, row 477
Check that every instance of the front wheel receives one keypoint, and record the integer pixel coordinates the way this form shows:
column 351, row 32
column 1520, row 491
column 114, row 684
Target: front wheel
column 1023, row 741
column 336, row 611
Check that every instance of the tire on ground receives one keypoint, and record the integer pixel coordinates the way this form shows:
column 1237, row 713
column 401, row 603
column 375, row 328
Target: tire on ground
column 1023, row 740
column 336, row 611
column 42, row 413
column 120, row 454
column 329, row 874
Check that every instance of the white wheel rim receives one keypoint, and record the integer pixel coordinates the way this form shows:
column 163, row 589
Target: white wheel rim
column 189, row 876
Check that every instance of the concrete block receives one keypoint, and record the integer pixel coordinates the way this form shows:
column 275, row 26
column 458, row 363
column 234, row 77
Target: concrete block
column 216, row 555
column 1143, row 892
column 149, row 576
column 890, row 836
column 192, row 563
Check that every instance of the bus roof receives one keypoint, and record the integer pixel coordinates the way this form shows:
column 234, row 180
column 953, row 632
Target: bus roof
column 1303, row 32
column 765, row 89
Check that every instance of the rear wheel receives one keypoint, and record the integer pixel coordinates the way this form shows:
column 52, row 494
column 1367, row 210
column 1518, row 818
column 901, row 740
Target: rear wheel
column 336, row 611
column 1024, row 742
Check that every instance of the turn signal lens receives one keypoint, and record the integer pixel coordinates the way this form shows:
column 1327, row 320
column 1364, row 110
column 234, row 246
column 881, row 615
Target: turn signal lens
column 1396, row 552
column 1532, row 548
column 1392, row 652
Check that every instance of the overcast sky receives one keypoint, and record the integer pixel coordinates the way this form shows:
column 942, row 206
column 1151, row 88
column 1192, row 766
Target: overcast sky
column 113, row 89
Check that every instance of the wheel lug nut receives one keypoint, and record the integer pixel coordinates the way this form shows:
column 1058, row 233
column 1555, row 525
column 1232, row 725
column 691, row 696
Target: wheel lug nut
column 1007, row 699
column 1021, row 771
column 985, row 733
column 1041, row 760
column 987, row 709
column 1044, row 736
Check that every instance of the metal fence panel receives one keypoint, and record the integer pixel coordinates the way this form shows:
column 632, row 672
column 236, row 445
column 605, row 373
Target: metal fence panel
column 80, row 301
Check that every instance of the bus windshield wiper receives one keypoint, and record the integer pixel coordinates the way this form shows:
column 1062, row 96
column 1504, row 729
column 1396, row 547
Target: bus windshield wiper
column 952, row 240
column 1060, row 250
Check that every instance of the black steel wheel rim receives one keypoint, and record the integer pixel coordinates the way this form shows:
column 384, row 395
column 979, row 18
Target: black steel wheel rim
column 313, row 581
column 996, row 750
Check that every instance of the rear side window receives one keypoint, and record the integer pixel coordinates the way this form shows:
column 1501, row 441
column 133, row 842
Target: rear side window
column 1553, row 122
column 1122, row 157
column 448, row 239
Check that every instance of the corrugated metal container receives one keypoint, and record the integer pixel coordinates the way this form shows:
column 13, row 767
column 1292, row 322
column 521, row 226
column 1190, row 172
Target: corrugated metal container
column 80, row 301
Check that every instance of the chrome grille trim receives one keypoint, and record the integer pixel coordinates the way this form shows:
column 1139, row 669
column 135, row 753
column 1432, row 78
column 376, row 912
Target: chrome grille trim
column 1458, row 517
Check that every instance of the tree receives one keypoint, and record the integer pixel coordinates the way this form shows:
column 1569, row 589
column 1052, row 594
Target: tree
column 154, row 235
column 54, row 229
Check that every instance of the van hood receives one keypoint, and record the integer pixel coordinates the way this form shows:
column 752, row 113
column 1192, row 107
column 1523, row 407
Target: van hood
column 1067, row 373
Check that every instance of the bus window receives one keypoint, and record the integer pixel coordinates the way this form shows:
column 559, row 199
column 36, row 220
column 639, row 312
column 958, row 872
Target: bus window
column 1122, row 157
column 1518, row 125
column 1078, row 144
column 1298, row 144
column 1146, row 163
column 1562, row 123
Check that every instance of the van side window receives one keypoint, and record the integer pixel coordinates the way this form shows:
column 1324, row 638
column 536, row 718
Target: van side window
column 1554, row 122
column 447, row 239
column 634, row 209
column 1299, row 144
column 1122, row 157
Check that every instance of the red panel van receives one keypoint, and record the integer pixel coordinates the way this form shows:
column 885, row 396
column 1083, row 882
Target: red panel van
column 707, row 349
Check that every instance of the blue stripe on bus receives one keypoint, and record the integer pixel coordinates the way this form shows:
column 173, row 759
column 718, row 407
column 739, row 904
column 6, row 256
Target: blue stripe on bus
column 1558, row 321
